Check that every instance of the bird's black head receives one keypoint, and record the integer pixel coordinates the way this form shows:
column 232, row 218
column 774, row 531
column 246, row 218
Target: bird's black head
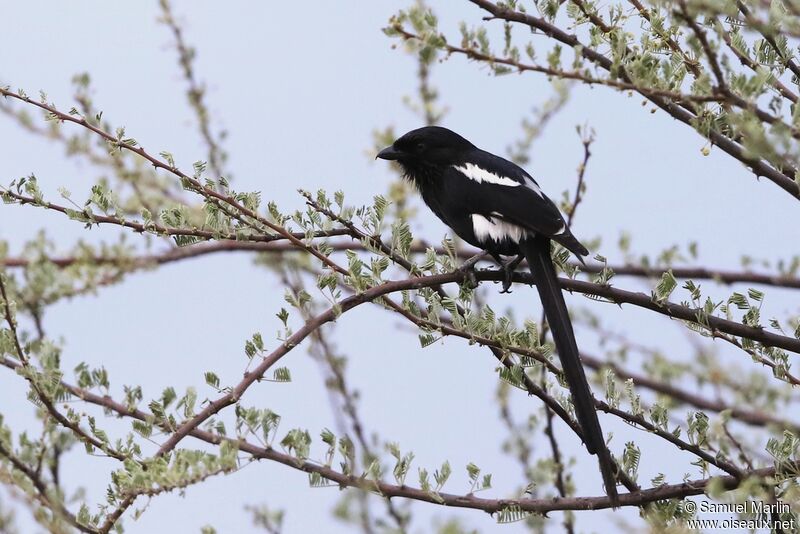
column 422, row 151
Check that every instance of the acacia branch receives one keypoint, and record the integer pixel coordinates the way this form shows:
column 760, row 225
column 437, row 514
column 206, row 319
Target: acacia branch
column 43, row 494
column 276, row 244
column 621, row 296
column 233, row 396
column 224, row 202
column 579, row 76
column 748, row 62
column 195, row 91
column 158, row 229
column 191, row 426
column 756, row 418
column 670, row 309
column 635, row 498
column 769, row 37
column 688, row 62
column 500, row 352
column 337, row 384
column 784, row 179
column 31, row 377
column 553, row 405
column 750, row 417
column 711, row 55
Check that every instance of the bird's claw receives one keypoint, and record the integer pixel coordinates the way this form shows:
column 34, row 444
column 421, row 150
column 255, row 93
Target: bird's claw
column 508, row 273
column 507, row 280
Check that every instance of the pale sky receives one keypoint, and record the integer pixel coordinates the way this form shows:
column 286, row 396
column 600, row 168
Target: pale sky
column 300, row 89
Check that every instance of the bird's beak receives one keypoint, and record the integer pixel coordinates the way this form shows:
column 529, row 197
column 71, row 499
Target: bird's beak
column 389, row 153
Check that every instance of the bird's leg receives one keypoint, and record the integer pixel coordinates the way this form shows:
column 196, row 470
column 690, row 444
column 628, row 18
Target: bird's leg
column 468, row 268
column 508, row 270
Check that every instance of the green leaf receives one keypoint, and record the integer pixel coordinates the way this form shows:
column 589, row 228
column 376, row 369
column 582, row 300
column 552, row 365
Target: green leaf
column 511, row 514
column 665, row 287
column 316, row 480
column 212, row 379
column 282, row 374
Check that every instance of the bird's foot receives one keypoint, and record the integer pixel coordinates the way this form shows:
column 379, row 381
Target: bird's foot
column 508, row 273
column 507, row 281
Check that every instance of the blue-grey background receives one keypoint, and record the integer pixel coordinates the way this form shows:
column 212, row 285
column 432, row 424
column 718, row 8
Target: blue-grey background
column 300, row 88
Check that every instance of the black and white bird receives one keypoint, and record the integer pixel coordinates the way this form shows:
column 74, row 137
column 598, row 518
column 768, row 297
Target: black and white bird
column 495, row 205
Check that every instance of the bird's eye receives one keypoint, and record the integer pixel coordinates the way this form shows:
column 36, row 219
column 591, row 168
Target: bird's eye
column 420, row 146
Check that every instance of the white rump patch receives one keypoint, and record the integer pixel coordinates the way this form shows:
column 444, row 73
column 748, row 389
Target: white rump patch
column 496, row 229
column 473, row 172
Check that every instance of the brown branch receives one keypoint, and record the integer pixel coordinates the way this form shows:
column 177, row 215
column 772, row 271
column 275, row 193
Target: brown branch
column 161, row 230
column 673, row 45
column 750, row 417
column 785, row 179
column 47, row 402
column 278, row 245
column 710, row 54
column 685, row 313
column 556, row 407
column 669, row 309
column 762, row 29
column 498, row 353
column 233, row 396
column 587, row 141
column 719, row 462
column 722, row 86
column 226, row 203
column 756, row 418
column 703, row 273
column 323, row 351
column 44, row 496
column 583, row 77
column 635, row 498
column 195, row 91
column 730, row 98
column 748, row 62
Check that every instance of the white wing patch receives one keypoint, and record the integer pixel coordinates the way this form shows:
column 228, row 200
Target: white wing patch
column 530, row 184
column 496, row 229
column 473, row 172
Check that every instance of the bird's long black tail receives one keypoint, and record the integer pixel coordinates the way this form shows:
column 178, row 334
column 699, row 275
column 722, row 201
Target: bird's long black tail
column 537, row 252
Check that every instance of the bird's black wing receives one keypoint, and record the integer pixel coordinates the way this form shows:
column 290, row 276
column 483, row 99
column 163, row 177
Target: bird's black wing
column 504, row 191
